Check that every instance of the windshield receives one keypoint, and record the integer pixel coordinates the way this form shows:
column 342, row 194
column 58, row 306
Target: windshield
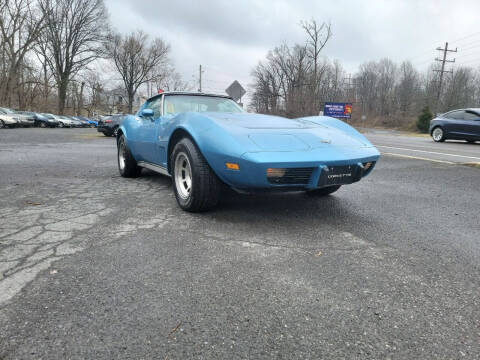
column 175, row 104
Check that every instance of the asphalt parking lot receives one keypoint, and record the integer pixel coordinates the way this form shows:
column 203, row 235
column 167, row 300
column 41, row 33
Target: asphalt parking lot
column 96, row 266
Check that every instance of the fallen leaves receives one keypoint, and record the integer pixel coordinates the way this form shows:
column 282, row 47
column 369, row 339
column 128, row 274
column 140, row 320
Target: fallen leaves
column 318, row 254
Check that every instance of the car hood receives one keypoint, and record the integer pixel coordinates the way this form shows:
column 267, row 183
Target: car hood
column 275, row 133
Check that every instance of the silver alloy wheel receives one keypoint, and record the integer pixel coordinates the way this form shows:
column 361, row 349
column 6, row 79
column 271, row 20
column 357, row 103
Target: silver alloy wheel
column 183, row 175
column 437, row 134
column 121, row 156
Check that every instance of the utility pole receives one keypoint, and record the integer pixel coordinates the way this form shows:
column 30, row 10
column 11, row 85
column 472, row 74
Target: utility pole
column 200, row 78
column 350, row 87
column 442, row 70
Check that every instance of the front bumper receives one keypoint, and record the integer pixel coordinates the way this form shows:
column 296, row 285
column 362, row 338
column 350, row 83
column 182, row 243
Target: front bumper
column 327, row 168
column 25, row 122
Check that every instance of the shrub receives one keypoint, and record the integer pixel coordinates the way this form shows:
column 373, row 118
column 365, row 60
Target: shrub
column 423, row 120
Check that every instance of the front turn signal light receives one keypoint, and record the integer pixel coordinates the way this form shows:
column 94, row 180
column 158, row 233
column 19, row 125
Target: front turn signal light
column 232, row 166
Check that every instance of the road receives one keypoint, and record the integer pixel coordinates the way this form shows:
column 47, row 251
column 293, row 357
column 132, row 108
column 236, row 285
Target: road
column 97, row 266
column 423, row 147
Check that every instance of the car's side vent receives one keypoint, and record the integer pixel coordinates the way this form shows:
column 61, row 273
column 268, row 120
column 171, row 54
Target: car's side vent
column 288, row 176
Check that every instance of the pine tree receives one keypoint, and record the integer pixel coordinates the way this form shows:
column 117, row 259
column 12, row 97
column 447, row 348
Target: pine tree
column 423, row 120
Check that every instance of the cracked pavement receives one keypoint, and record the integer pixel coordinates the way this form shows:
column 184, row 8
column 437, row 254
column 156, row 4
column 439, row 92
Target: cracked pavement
column 96, row 266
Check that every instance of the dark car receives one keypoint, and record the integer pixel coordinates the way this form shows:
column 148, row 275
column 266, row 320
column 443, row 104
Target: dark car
column 39, row 120
column 109, row 125
column 461, row 124
column 91, row 123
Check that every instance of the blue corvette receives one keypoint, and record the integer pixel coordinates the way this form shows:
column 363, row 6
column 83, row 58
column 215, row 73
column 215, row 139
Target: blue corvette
column 207, row 141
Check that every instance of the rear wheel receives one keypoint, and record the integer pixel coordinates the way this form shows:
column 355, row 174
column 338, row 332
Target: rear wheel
column 61, row 124
column 115, row 132
column 196, row 186
column 438, row 135
column 127, row 166
column 324, row 191
column 2, row 124
column 43, row 125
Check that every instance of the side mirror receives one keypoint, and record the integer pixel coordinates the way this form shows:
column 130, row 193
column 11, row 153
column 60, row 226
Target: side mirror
column 147, row 113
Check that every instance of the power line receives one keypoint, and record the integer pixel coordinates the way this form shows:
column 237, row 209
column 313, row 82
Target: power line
column 466, row 37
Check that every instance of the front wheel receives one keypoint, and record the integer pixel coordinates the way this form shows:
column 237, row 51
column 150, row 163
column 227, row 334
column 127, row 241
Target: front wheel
column 324, row 191
column 438, row 135
column 61, row 125
column 196, row 186
column 127, row 166
column 43, row 125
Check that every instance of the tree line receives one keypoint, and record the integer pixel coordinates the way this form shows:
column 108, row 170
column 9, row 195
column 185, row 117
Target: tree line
column 296, row 81
column 55, row 54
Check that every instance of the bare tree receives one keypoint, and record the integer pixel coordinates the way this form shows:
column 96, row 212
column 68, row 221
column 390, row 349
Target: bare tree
column 137, row 60
column 74, row 36
column 318, row 36
column 20, row 26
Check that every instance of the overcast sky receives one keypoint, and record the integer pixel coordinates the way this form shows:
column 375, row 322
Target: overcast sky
column 230, row 37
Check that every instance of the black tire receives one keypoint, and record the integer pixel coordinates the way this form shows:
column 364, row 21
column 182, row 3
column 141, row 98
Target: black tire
column 129, row 167
column 438, row 138
column 205, row 187
column 323, row 191
column 106, row 134
column 115, row 132
column 61, row 124
column 2, row 124
column 43, row 125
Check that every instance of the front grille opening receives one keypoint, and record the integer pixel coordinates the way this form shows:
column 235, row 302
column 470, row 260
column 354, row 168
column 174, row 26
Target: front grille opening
column 288, row 176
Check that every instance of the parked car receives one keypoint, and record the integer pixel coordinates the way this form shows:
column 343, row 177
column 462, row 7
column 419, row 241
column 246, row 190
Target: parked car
column 39, row 120
column 76, row 123
column 62, row 120
column 207, row 141
column 461, row 124
column 8, row 118
column 109, row 125
column 91, row 123
column 22, row 120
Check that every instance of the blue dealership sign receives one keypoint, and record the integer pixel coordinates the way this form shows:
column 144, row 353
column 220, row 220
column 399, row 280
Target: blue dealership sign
column 338, row 110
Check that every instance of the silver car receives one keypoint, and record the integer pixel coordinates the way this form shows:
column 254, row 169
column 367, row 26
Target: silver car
column 62, row 120
column 8, row 118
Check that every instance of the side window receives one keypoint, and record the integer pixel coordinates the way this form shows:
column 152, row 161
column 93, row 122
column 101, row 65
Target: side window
column 456, row 115
column 470, row 116
column 155, row 105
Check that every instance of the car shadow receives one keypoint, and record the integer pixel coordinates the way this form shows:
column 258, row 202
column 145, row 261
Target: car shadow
column 275, row 209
